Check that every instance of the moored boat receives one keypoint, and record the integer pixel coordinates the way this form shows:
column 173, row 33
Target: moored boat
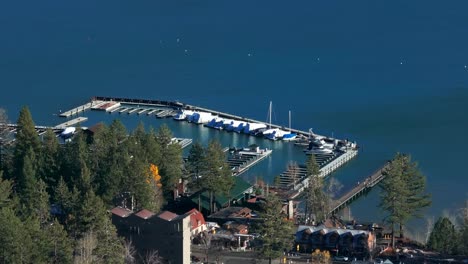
column 251, row 128
column 183, row 115
column 276, row 134
column 318, row 151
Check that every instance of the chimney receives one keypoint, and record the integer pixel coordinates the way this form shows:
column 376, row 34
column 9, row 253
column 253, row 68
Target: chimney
column 290, row 210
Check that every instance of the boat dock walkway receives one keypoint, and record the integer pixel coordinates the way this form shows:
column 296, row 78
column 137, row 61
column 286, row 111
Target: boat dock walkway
column 183, row 142
column 81, row 108
column 71, row 122
column 358, row 190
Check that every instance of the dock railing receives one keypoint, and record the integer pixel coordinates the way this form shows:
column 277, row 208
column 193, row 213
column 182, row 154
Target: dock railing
column 359, row 189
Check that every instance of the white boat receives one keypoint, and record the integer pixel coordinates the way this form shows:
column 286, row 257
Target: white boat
column 289, row 136
column 269, row 131
column 318, row 142
column 68, row 132
column 276, row 134
column 318, row 151
column 183, row 115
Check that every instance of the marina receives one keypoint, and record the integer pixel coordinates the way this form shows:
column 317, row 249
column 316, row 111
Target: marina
column 330, row 153
column 172, row 107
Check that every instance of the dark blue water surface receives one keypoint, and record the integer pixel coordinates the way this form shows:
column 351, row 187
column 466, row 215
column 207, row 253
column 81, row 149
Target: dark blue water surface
column 391, row 75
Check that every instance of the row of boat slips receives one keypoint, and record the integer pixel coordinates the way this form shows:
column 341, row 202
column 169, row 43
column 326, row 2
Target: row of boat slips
column 232, row 125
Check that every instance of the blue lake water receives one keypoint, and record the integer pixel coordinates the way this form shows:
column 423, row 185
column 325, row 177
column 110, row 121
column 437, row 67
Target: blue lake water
column 391, row 75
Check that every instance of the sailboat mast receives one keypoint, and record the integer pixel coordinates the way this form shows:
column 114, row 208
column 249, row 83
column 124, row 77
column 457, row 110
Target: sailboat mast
column 270, row 110
column 289, row 120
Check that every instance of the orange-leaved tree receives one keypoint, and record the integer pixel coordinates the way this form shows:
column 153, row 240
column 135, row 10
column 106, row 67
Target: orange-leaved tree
column 154, row 180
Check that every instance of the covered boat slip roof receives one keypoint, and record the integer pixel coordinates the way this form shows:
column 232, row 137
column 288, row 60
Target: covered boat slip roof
column 325, row 230
column 254, row 126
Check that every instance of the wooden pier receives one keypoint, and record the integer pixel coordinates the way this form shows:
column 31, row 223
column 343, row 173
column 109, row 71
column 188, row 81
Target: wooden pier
column 358, row 190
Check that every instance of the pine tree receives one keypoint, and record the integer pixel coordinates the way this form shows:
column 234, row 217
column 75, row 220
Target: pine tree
column 110, row 247
column 3, row 127
column 403, row 195
column 40, row 203
column 317, row 202
column 5, row 192
column 443, row 236
column 14, row 240
column 417, row 198
column 463, row 234
column 276, row 231
column 195, row 159
column 170, row 165
column 27, row 182
column 59, row 246
column 93, row 221
column 26, row 136
column 48, row 169
column 216, row 175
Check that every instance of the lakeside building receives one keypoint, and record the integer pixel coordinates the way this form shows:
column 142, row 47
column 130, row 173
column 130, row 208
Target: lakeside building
column 348, row 242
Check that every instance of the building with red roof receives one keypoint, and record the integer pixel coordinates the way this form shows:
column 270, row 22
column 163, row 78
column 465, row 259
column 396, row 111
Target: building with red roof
column 197, row 222
column 144, row 214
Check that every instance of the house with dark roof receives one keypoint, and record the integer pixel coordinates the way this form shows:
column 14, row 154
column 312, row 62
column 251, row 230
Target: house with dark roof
column 166, row 232
column 344, row 241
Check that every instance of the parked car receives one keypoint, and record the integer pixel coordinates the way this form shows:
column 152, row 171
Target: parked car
column 340, row 258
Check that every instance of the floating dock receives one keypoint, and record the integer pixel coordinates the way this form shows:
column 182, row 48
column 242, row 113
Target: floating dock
column 133, row 110
column 81, row 108
column 152, row 111
column 183, row 142
column 142, row 111
column 242, row 160
column 71, row 122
